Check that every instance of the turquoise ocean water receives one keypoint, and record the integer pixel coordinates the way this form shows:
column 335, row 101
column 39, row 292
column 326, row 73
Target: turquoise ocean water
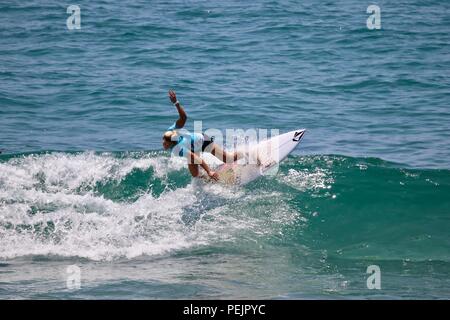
column 83, row 179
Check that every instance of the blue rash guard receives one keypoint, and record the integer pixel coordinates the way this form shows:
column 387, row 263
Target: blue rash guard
column 187, row 141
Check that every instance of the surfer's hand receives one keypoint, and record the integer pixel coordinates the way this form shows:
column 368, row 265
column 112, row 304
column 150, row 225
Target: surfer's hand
column 172, row 96
column 213, row 175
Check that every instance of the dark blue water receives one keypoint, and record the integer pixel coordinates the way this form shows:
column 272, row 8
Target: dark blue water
column 83, row 180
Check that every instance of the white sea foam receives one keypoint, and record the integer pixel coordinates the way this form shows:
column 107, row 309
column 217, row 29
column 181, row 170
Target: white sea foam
column 308, row 179
column 48, row 206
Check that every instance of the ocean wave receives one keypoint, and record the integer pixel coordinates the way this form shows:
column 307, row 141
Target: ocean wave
column 115, row 205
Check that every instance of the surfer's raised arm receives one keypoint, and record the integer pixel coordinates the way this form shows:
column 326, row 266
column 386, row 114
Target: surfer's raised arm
column 183, row 117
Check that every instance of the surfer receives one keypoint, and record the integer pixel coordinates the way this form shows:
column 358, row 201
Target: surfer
column 190, row 145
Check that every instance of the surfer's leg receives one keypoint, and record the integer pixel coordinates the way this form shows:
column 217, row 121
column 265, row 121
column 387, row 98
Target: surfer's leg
column 193, row 168
column 223, row 155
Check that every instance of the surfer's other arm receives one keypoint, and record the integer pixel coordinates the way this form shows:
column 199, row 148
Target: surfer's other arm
column 183, row 117
column 194, row 161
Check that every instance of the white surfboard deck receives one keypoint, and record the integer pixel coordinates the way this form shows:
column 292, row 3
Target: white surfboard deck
column 261, row 159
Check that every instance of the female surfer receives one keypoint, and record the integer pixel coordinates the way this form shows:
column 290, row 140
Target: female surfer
column 191, row 144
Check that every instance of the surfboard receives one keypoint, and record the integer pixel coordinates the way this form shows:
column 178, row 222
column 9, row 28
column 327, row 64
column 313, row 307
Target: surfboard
column 261, row 159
